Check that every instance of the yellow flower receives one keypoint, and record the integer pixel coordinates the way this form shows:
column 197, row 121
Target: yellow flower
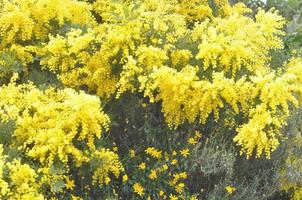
column 161, row 193
column 153, row 152
column 230, row 189
column 174, row 162
column 138, row 189
column 142, row 166
column 173, row 197
column 75, row 197
column 185, row 152
column 193, row 198
column 69, row 183
column 192, row 141
column 165, row 167
column 177, row 177
column 132, row 153
column 180, row 57
column 183, row 175
column 153, row 174
column 179, row 188
column 174, row 153
column 107, row 180
column 23, row 180
column 125, row 178
column 197, row 135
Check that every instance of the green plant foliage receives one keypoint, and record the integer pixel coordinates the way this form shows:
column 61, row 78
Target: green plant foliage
column 150, row 99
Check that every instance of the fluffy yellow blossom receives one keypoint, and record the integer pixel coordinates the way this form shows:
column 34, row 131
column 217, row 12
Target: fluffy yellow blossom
column 194, row 10
column 181, row 57
column 151, row 56
column 21, row 180
column 107, row 180
column 184, row 86
column 107, row 163
column 48, row 128
column 194, row 60
column 23, row 177
column 216, row 50
column 135, row 58
column 4, row 186
column 43, row 139
column 141, row 48
column 267, row 118
column 297, row 193
column 23, row 20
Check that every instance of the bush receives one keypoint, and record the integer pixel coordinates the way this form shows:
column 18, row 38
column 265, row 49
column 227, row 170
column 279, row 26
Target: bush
column 148, row 99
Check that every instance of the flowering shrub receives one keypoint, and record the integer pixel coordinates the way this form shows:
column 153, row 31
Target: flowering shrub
column 139, row 99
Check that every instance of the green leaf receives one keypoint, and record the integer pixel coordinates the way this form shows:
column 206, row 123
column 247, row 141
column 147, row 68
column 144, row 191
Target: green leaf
column 57, row 185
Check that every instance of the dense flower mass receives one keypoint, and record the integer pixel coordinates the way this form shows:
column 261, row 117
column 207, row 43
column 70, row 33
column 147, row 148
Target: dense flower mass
column 50, row 125
column 70, row 71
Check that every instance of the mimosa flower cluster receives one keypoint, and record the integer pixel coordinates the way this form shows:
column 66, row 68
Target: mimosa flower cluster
column 199, row 62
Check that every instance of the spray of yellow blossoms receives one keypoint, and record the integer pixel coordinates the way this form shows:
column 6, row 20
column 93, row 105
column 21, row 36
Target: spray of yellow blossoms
column 196, row 59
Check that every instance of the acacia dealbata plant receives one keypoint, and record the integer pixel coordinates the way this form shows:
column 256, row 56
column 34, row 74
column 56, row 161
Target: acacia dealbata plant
column 147, row 99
